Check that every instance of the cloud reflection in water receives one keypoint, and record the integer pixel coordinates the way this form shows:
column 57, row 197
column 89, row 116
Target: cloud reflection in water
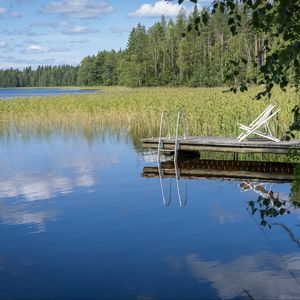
column 61, row 171
column 258, row 276
column 20, row 214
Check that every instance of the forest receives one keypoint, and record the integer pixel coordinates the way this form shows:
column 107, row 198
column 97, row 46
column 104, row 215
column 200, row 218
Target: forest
column 43, row 76
column 169, row 53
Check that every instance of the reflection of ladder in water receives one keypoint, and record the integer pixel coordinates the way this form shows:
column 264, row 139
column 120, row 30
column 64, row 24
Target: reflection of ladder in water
column 180, row 121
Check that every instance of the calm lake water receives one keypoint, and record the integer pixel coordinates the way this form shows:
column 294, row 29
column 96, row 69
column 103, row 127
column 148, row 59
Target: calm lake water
column 10, row 93
column 78, row 221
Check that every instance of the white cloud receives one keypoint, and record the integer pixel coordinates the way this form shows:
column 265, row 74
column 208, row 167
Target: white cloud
column 223, row 216
column 150, row 156
column 72, row 28
column 3, row 44
column 250, row 275
column 21, row 214
column 36, row 188
column 158, row 9
column 41, row 186
column 2, row 10
column 78, row 30
column 78, row 8
column 34, row 48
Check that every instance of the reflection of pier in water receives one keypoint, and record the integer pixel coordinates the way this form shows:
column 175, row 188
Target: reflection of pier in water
column 252, row 176
column 251, row 173
column 228, row 169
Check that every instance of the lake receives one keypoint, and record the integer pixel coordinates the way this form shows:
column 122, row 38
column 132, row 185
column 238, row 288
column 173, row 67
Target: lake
column 9, row 93
column 80, row 220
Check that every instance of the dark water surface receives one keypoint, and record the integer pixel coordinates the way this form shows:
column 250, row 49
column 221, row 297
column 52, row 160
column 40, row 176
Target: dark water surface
column 78, row 221
column 9, row 93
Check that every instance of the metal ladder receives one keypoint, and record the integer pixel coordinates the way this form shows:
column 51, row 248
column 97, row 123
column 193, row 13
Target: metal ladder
column 160, row 143
column 180, row 117
column 164, row 114
column 180, row 121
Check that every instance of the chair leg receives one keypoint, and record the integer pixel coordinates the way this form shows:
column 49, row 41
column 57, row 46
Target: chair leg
column 272, row 138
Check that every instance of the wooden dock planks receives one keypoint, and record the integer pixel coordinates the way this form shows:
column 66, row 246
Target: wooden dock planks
column 238, row 170
column 223, row 144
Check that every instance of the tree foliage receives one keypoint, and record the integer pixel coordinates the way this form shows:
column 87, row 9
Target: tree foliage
column 233, row 43
column 277, row 23
column 43, row 76
column 162, row 55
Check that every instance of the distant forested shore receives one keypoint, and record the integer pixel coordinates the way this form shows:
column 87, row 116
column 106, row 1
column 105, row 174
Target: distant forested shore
column 43, row 76
column 164, row 54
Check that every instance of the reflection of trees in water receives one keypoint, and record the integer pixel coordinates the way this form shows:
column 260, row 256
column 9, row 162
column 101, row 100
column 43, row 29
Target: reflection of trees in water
column 269, row 204
column 90, row 129
column 295, row 189
column 100, row 127
column 269, row 207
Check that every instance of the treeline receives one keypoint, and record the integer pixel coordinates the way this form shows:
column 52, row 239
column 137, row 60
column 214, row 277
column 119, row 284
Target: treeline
column 162, row 55
column 43, row 76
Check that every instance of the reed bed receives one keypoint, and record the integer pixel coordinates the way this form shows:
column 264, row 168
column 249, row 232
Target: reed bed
column 208, row 111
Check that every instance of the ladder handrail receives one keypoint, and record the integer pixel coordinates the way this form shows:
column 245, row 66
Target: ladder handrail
column 177, row 175
column 180, row 119
column 167, row 114
column 180, row 116
column 166, row 203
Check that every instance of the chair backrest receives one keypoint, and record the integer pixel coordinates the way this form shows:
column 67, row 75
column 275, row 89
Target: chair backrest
column 263, row 116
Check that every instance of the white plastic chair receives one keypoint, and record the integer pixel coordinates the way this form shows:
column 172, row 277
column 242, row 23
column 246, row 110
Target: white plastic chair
column 262, row 120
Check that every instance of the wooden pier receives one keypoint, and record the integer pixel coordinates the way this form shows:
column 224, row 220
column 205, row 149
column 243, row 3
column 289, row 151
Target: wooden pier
column 222, row 144
column 226, row 169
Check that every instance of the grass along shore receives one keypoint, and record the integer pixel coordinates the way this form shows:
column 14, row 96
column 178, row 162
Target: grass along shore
column 208, row 111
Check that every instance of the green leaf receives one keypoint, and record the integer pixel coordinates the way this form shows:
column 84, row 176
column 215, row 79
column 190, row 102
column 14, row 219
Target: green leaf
column 282, row 211
column 263, row 223
column 233, row 30
column 244, row 60
column 230, row 21
column 205, row 18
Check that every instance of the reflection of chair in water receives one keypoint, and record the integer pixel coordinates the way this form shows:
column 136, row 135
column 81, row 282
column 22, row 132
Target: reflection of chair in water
column 259, row 188
column 262, row 120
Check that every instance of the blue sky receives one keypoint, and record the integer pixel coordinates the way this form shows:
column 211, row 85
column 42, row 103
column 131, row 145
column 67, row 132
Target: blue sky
column 53, row 32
